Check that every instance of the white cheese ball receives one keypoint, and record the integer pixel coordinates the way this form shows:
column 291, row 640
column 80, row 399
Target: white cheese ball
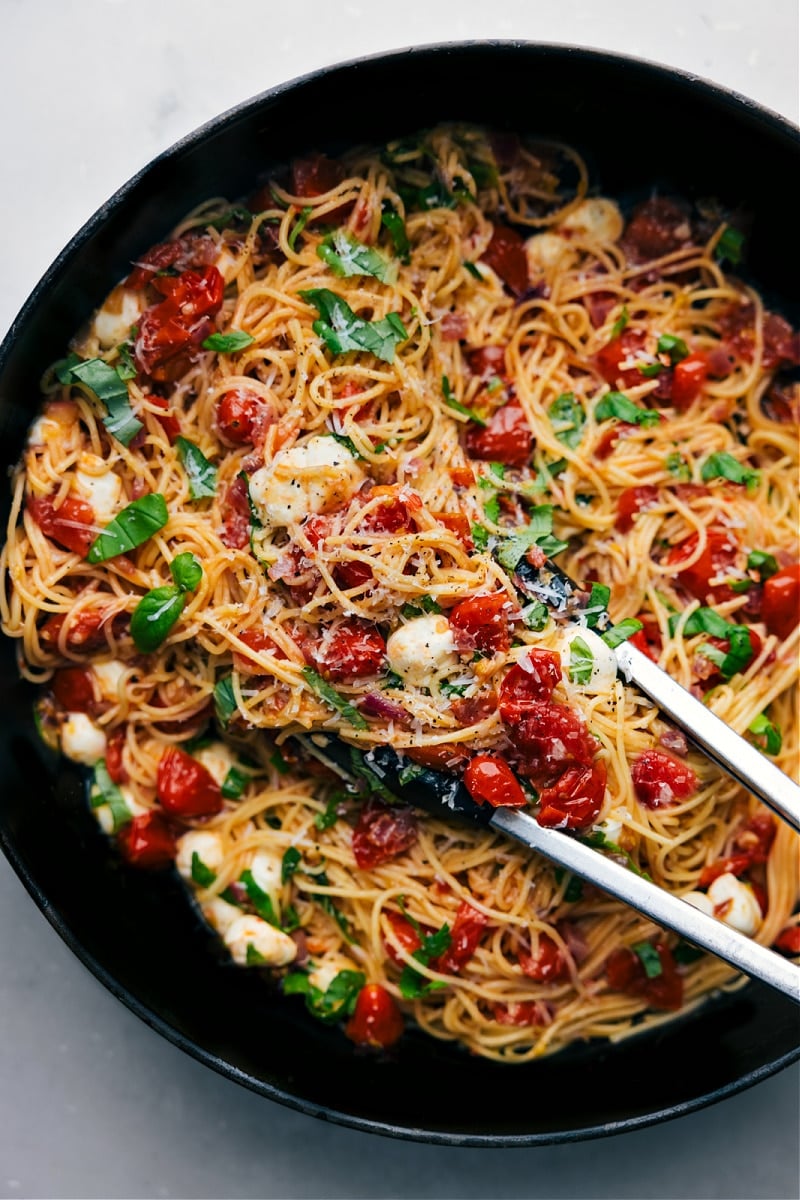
column 82, row 740
column 604, row 660
column 313, row 478
column 545, row 251
column 266, row 870
column 275, row 947
column 105, row 817
column 323, row 975
column 112, row 322
column 205, row 844
column 217, row 760
column 735, row 904
column 98, row 484
column 109, row 676
column 700, row 901
column 220, row 914
column 423, row 650
column 596, row 219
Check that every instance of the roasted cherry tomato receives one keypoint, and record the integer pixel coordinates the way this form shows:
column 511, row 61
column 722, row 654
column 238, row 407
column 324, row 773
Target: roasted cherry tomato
column 176, row 326
column 458, row 524
column 147, row 841
column 507, row 437
column 756, row 836
column 532, row 679
column 521, row 1012
column 658, row 779
column 194, row 250
column 450, row 757
column 575, row 799
column 465, row 935
column 376, row 1020
column 391, row 516
column 625, row 973
column 734, row 864
column 688, row 379
column 506, row 255
column 70, row 525
column 258, row 640
column 462, row 477
column 315, row 175
column 609, row 359
column 114, row 760
column 632, row 501
column 166, row 419
column 185, row 787
column 788, row 940
column 547, row 964
column 781, row 345
column 74, row 690
column 780, row 606
column 657, row 227
column 352, row 650
column 383, row 831
column 709, row 573
column 404, row 933
column 240, row 416
column 549, row 738
column 488, row 778
column 487, row 361
column 84, row 629
column 482, row 623
column 648, row 638
column 235, row 509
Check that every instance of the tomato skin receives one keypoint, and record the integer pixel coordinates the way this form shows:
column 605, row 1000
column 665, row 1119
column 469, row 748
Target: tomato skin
column 780, row 606
column 550, row 737
column 458, row 524
column 788, row 940
column 167, row 420
column 258, row 640
column 85, row 630
column 734, row 864
column 716, row 562
column 521, row 1012
column 353, row 650
column 74, row 690
column 391, row 516
column 648, row 638
column 609, row 438
column 547, row 965
column 240, row 416
column 482, row 623
column 756, row 837
column 172, row 328
column 462, row 477
column 383, row 831
column 657, row 227
column 235, row 509
column 69, row 525
column 506, row 255
column 688, row 379
column 147, row 842
column 658, row 779
column 625, row 973
column 632, row 501
column 629, row 344
column 445, row 757
column 404, row 933
column 532, row 679
column 487, row 361
column 114, row 761
column 465, row 934
column 185, row 787
column 195, row 250
column 507, row 437
column 376, row 1020
column 489, row 778
column 575, row 799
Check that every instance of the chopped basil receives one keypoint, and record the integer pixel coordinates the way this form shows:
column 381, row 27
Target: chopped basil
column 729, row 247
column 448, row 689
column 330, row 696
column 739, row 654
column 253, row 957
column 202, row 875
column 412, row 984
column 409, row 773
column 260, row 900
column 762, row 727
column 574, row 890
column 620, row 323
column 649, row 958
column 137, row 522
column 227, row 343
column 620, row 633
column 702, row 620
column 202, row 475
column 497, row 469
column 234, row 783
column 224, row 700
column 105, row 791
column 280, row 764
column 360, row 769
column 722, row 465
column 299, row 226
column 473, row 270
column 597, row 608
column 425, row 604
column 159, row 609
column 616, row 404
column 63, row 368
column 342, row 330
column 111, row 389
column 538, row 533
column 765, row 564
column 186, row 570
column 393, row 223
column 346, row 256
column 451, row 402
column 491, row 509
column 535, row 615
column 230, row 216
column 289, row 863
column 674, row 346
column 677, row 465
column 326, row 903
column 480, row 536
column 330, row 814
column 581, row 661
column 391, row 680
column 126, row 367
column 598, row 840
column 651, row 370
column 335, row 1003
column 567, row 418
column 347, row 442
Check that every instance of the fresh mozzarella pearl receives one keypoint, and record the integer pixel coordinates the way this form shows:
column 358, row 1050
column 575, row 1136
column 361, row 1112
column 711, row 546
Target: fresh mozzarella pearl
column 611, row 827
column 266, row 871
column 545, row 251
column 109, row 675
column 227, row 265
column 82, row 740
column 699, row 900
column 220, row 915
column 113, row 321
column 105, row 817
column 323, row 975
column 275, row 947
column 422, row 650
column 216, row 759
column 313, row 478
column 596, row 219
column 205, row 844
column 604, row 660
column 735, row 904
column 99, row 485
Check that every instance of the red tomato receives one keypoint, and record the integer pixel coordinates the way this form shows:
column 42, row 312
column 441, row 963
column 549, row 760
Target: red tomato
column 711, row 675
column 610, row 437
column 315, row 175
column 550, row 737
column 391, row 516
column 507, row 437
column 376, row 1021
column 472, row 709
column 465, row 934
column 74, row 690
column 781, row 345
column 489, row 778
column 780, row 607
column 756, row 837
column 458, row 524
column 788, row 940
column 574, row 801
column 688, row 379
column 114, row 760
column 462, row 477
column 532, row 679
column 352, row 574
column 547, row 964
column 404, row 933
column 85, row 630
column 628, row 345
column 632, row 501
column 175, row 326
column 482, row 623
column 352, row 650
column 195, row 250
column 506, row 255
column 147, row 841
column 709, row 573
column 445, row 757
column 735, row 864
column 487, row 361
column 648, row 638
column 185, row 787
column 521, row 1012
column 240, row 416
column 657, row 227
column 257, row 640
column 167, row 420
column 235, row 510
column 383, row 831
column 659, row 779
column 625, row 973
column 70, row 524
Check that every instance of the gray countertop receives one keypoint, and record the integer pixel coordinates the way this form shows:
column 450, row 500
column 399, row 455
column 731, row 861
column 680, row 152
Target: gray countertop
column 93, row 1103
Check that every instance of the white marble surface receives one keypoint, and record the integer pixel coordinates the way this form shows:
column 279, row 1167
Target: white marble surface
column 92, row 1103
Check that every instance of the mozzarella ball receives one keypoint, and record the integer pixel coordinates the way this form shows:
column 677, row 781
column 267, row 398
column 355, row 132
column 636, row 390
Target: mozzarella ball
column 313, row 478
column 266, row 870
column 546, row 251
column 220, row 914
column 217, row 760
column 104, row 815
column 275, row 947
column 82, row 740
column 205, row 844
column 596, row 219
column 604, row 660
column 323, row 975
column 98, row 484
column 701, row 901
column 112, row 322
column 423, row 650
column 735, row 904
column 109, row 675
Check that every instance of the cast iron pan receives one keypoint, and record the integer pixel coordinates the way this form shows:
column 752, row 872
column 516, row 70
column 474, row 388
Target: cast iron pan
column 638, row 125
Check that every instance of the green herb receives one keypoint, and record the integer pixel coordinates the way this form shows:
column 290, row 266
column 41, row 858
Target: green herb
column 538, row 533
column 412, row 984
column 234, row 783
column 259, row 899
column 650, row 370
column 620, row 633
column 126, row 367
column 186, row 570
column 762, row 727
column 597, row 607
column 347, row 442
column 289, row 863
column 498, row 470
column 722, row 465
column 615, row 404
column 330, row 815
column 452, row 689
column 391, row 680
column 332, row 1005
column 598, row 840
column 435, row 195
column 484, row 173
column 393, row 223
column 567, row 418
column 425, row 604
column 136, row 523
column 346, row 256
column 326, row 903
column 111, row 389
column 253, row 957
column 231, row 216
column 729, row 247
column 451, row 402
column 685, row 953
column 620, row 323
column 409, row 773
column 342, row 330
column 473, row 270
column 108, row 793
column 159, row 609
column 299, row 226
column 740, row 651
column 280, row 764
column 702, row 620
column 63, row 368
column 535, row 615
column 678, row 466
column 581, row 661
column 574, row 890
column 361, row 769
column 494, row 385
column 674, row 346
column 224, row 700
column 491, row 509
column 227, row 343
column 480, row 537
column 202, row 875
column 330, row 696
column 202, row 475
column 649, row 958
column 765, row 564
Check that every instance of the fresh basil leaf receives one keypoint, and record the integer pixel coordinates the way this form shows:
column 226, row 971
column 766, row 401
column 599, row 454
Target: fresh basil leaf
column 412, row 984
column 394, row 225
column 722, row 465
column 650, row 370
column 280, row 764
column 235, row 215
column 186, row 571
column 568, row 419
column 289, row 863
column 451, row 402
column 448, row 689
column 409, row 773
column 299, row 226
column 730, row 246
column 63, row 368
column 473, row 270
column 330, row 815
column 574, row 890
column 620, row 633
column 678, row 466
column 202, row 875
column 540, row 528
column 342, row 330
column 598, row 840
column 491, row 509
column 674, row 346
column 740, row 651
column 137, row 522
column 498, row 470
column 228, row 343
column 702, row 620
column 535, row 615
column 202, row 475
column 391, row 680
column 126, row 367
column 330, row 696
column 234, row 784
column 253, row 957
column 480, row 537
column 616, row 404
column 581, row 661
column 260, row 900
column 649, row 958
column 108, row 793
column 596, row 611
column 327, row 905
column 360, row 769
column 346, row 256
column 425, row 604
column 224, row 700
column 762, row 727
column 337, row 1002
column 112, row 391
column 155, row 615
column 765, row 564
column 620, row 323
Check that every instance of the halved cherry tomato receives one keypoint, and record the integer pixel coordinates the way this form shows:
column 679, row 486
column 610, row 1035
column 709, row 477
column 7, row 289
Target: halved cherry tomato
column 466, row 933
column 658, row 779
column 610, row 436
column 506, row 255
column 458, row 524
column 487, row 361
column 194, row 250
column 755, row 838
column 709, row 573
column 632, row 501
column 625, row 973
column 391, row 516
column 788, row 940
column 69, row 524
column 547, row 964
column 781, row 345
column 376, row 1020
column 404, row 933
column 240, row 416
column 521, row 1012
column 352, row 574
column 114, row 760
column 780, row 607
column 575, row 799
column 734, row 864
column 462, row 477
column 185, row 787
column 657, row 227
column 383, row 831
column 609, row 358
column 648, row 638
column 170, row 329
column 482, row 623
column 235, row 509
column 550, row 737
column 166, row 419
column 488, row 778
column 258, row 640
column 85, row 629
column 448, row 756
column 507, row 437
column 147, row 841
column 688, row 379
column 352, row 650
column 532, row 679
column 74, row 690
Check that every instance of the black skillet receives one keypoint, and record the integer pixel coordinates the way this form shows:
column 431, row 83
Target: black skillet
column 638, row 125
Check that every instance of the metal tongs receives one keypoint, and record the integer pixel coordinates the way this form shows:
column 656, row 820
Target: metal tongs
column 446, row 797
